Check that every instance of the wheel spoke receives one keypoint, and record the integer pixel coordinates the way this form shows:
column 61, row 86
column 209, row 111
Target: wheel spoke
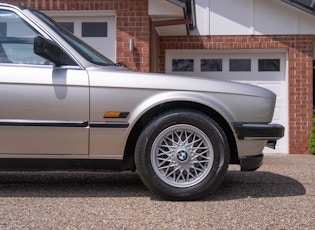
column 162, row 162
column 166, row 166
column 202, row 154
column 168, row 174
column 189, row 174
column 169, row 142
column 202, row 167
column 164, row 152
column 180, row 176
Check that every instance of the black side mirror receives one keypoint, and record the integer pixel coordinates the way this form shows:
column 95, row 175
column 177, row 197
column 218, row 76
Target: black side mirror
column 48, row 49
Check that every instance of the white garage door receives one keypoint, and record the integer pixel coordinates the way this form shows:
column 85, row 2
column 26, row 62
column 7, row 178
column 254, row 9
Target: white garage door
column 98, row 29
column 266, row 69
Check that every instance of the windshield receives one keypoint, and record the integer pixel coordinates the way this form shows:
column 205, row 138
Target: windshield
column 81, row 47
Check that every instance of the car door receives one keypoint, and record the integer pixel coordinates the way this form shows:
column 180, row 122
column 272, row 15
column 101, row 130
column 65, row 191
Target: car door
column 44, row 110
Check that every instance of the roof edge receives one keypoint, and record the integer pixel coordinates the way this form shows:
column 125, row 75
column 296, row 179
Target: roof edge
column 307, row 8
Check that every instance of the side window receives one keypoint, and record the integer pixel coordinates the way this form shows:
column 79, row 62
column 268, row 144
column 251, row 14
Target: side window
column 16, row 40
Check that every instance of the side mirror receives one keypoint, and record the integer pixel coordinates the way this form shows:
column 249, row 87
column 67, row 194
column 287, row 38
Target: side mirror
column 48, row 49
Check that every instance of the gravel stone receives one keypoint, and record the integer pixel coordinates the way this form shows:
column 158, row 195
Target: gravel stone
column 280, row 195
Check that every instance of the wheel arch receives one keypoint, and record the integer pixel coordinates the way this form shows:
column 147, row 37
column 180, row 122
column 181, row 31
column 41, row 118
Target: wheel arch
column 162, row 108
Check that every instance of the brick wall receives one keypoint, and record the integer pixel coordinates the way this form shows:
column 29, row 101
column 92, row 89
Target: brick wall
column 133, row 23
column 300, row 67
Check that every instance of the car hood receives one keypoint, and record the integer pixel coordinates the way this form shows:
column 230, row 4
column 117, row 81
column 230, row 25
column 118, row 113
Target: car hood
column 120, row 77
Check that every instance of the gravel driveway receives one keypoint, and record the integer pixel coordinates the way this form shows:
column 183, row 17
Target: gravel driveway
column 280, row 195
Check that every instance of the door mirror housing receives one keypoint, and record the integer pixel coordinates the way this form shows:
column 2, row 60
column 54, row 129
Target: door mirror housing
column 49, row 50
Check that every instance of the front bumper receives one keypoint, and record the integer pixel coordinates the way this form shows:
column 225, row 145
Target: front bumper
column 248, row 131
column 268, row 132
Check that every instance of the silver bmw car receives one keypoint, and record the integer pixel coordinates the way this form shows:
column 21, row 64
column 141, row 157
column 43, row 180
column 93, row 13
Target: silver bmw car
column 65, row 106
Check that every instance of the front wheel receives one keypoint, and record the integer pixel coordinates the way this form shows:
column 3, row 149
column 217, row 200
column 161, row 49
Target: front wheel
column 182, row 155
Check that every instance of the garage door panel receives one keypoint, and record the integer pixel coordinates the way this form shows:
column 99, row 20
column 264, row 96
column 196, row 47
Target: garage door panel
column 276, row 115
column 97, row 31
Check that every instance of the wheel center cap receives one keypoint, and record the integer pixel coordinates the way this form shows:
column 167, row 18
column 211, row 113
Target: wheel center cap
column 182, row 155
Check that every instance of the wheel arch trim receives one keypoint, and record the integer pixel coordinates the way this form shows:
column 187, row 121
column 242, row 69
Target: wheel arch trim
column 209, row 101
column 160, row 103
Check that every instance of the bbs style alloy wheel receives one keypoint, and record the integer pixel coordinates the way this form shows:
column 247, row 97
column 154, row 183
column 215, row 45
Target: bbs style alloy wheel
column 182, row 155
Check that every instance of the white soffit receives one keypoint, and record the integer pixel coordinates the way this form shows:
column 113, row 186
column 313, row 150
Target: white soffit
column 163, row 8
column 160, row 10
column 178, row 30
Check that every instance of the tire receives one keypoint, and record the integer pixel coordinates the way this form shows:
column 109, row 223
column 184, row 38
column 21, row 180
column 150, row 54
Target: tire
column 182, row 155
